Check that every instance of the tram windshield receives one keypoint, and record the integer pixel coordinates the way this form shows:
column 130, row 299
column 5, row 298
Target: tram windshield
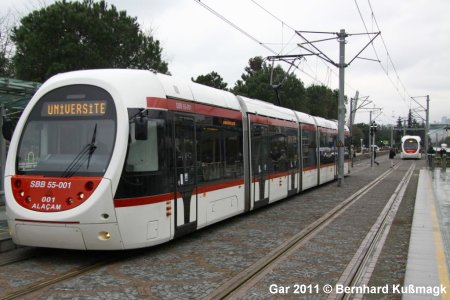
column 410, row 144
column 68, row 134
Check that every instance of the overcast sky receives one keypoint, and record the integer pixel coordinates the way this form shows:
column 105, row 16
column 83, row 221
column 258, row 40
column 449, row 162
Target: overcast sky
column 416, row 34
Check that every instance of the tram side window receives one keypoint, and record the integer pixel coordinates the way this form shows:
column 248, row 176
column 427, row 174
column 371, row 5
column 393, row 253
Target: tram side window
column 143, row 155
column 259, row 148
column 219, row 153
column 278, row 148
column 292, row 148
column 333, row 145
column 309, row 148
column 327, row 147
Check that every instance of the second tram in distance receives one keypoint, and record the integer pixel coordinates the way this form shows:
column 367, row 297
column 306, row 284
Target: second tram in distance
column 411, row 147
column 122, row 159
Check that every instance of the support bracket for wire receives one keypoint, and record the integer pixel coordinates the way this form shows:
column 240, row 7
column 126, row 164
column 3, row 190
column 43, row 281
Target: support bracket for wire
column 291, row 60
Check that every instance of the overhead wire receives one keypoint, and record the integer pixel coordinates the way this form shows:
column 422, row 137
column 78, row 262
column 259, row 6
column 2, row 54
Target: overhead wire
column 332, row 71
column 385, row 69
column 223, row 18
column 217, row 14
column 385, row 47
column 329, row 70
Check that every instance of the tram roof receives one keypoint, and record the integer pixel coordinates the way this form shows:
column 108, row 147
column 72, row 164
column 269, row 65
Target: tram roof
column 321, row 122
column 15, row 95
column 185, row 89
column 305, row 118
column 268, row 109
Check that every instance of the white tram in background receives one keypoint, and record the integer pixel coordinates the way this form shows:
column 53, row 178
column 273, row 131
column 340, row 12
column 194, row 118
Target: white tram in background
column 122, row 159
column 411, row 147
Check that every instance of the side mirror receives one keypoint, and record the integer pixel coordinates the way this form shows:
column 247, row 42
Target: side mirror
column 141, row 128
column 7, row 129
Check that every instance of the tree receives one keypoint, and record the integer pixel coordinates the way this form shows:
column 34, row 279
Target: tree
column 322, row 101
column 399, row 122
column 360, row 131
column 6, row 46
column 81, row 35
column 383, row 135
column 255, row 83
column 212, row 79
column 410, row 119
column 4, row 64
column 357, row 135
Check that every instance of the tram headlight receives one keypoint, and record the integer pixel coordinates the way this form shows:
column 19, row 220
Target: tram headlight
column 18, row 183
column 89, row 186
column 104, row 235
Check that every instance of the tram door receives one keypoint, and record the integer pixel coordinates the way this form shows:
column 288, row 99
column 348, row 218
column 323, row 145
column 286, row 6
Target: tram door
column 260, row 164
column 186, row 175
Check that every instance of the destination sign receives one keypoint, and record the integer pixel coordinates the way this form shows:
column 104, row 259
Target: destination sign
column 74, row 108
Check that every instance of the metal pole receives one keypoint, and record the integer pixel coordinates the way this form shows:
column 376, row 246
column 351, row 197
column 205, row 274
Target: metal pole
column 427, row 125
column 370, row 139
column 2, row 152
column 373, row 146
column 392, row 137
column 351, row 120
column 341, row 108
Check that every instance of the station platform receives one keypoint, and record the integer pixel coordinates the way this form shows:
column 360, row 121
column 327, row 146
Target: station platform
column 429, row 247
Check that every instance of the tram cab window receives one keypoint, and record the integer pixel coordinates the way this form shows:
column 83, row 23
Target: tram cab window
column 146, row 170
column 143, row 154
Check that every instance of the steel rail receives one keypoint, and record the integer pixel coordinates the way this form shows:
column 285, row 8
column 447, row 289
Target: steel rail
column 18, row 255
column 244, row 280
column 360, row 268
column 70, row 274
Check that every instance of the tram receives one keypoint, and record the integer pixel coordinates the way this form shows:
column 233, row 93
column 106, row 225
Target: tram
column 411, row 147
column 123, row 159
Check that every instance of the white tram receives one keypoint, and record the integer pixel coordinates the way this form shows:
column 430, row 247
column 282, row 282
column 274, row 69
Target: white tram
column 122, row 159
column 411, row 147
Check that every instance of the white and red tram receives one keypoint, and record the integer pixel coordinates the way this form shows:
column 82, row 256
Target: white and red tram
column 122, row 159
column 411, row 147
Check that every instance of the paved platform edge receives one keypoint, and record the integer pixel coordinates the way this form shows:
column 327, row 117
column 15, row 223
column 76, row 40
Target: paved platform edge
column 426, row 265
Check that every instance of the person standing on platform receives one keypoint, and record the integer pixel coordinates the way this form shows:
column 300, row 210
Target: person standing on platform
column 443, row 151
column 430, row 155
column 375, row 156
column 391, row 156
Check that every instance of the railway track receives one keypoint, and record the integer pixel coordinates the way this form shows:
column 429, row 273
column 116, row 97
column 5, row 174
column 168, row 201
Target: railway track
column 37, row 286
column 18, row 255
column 358, row 270
column 73, row 272
column 239, row 284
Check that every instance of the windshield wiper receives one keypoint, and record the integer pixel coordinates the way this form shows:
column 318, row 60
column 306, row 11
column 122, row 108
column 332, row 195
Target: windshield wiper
column 78, row 161
column 92, row 146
